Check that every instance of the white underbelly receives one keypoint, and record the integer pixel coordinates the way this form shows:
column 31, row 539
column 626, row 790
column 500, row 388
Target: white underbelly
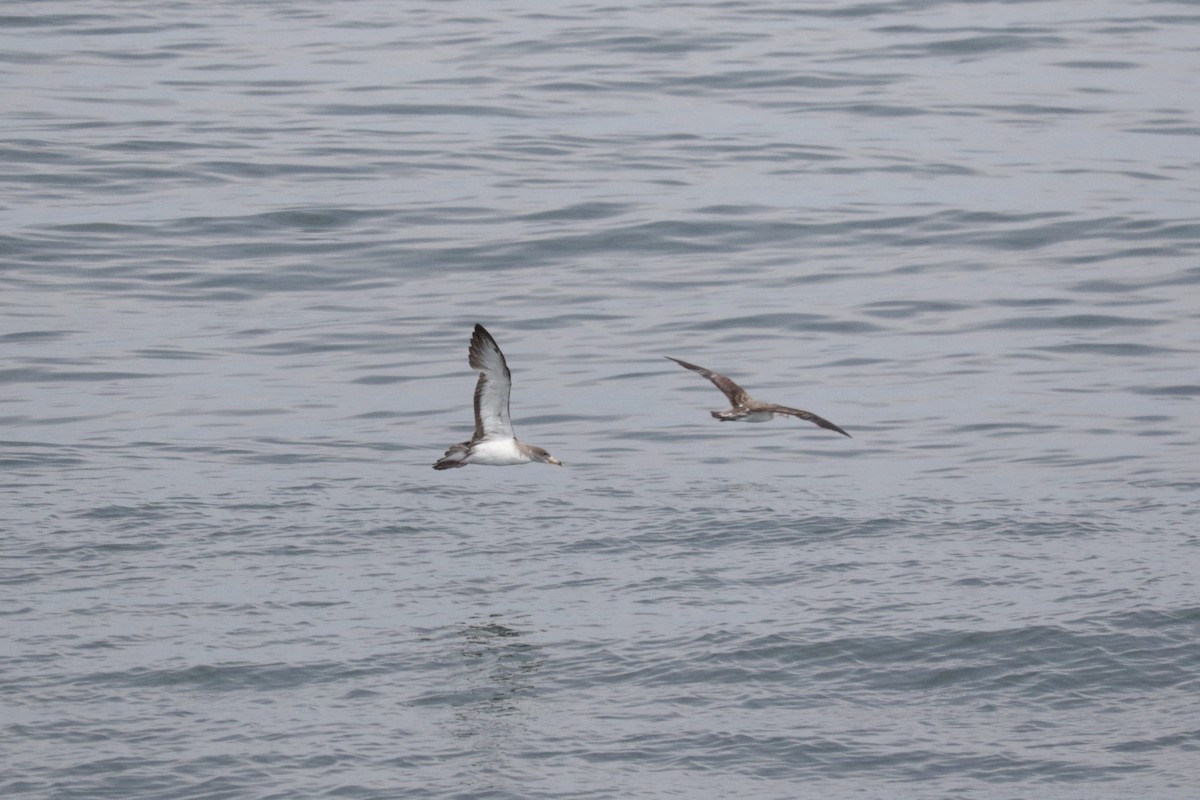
column 499, row 453
column 758, row 416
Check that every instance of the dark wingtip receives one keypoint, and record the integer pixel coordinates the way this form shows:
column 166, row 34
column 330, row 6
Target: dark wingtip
column 684, row 364
column 479, row 338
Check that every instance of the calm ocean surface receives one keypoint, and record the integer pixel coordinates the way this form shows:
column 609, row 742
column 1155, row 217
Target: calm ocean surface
column 242, row 251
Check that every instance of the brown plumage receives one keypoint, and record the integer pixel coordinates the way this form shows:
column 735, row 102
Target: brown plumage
column 746, row 409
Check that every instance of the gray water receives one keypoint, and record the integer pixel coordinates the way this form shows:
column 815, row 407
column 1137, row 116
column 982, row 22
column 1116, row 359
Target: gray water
column 243, row 248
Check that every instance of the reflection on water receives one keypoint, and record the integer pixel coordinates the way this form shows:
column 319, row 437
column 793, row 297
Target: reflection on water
column 499, row 670
column 498, row 676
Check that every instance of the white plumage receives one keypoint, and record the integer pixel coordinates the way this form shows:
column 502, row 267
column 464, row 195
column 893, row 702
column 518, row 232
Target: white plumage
column 494, row 443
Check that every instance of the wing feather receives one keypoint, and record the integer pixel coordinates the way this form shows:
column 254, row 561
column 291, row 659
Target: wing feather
column 492, row 392
column 736, row 394
column 801, row 414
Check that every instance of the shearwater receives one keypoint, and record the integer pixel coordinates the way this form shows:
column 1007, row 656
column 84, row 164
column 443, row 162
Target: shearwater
column 494, row 443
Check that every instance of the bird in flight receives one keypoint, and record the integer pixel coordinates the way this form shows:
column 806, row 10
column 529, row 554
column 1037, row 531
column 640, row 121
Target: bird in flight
column 494, row 443
column 746, row 408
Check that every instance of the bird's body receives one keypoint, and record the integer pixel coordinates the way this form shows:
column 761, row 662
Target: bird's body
column 494, row 443
column 743, row 415
column 494, row 453
column 745, row 408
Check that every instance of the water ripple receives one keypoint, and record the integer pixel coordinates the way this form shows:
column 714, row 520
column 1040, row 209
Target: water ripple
column 242, row 255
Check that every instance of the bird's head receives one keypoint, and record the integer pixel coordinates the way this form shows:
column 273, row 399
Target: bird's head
column 540, row 454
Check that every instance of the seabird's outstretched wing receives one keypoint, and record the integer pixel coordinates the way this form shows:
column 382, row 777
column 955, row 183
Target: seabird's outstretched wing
column 492, row 420
column 805, row 415
column 736, row 394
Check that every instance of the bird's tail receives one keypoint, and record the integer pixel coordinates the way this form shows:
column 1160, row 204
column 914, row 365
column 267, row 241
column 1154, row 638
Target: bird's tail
column 454, row 457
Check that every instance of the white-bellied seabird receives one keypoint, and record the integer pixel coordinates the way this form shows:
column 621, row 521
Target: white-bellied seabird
column 746, row 408
column 494, row 443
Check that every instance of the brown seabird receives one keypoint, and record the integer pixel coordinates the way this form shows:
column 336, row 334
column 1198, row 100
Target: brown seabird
column 746, row 408
column 494, row 443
